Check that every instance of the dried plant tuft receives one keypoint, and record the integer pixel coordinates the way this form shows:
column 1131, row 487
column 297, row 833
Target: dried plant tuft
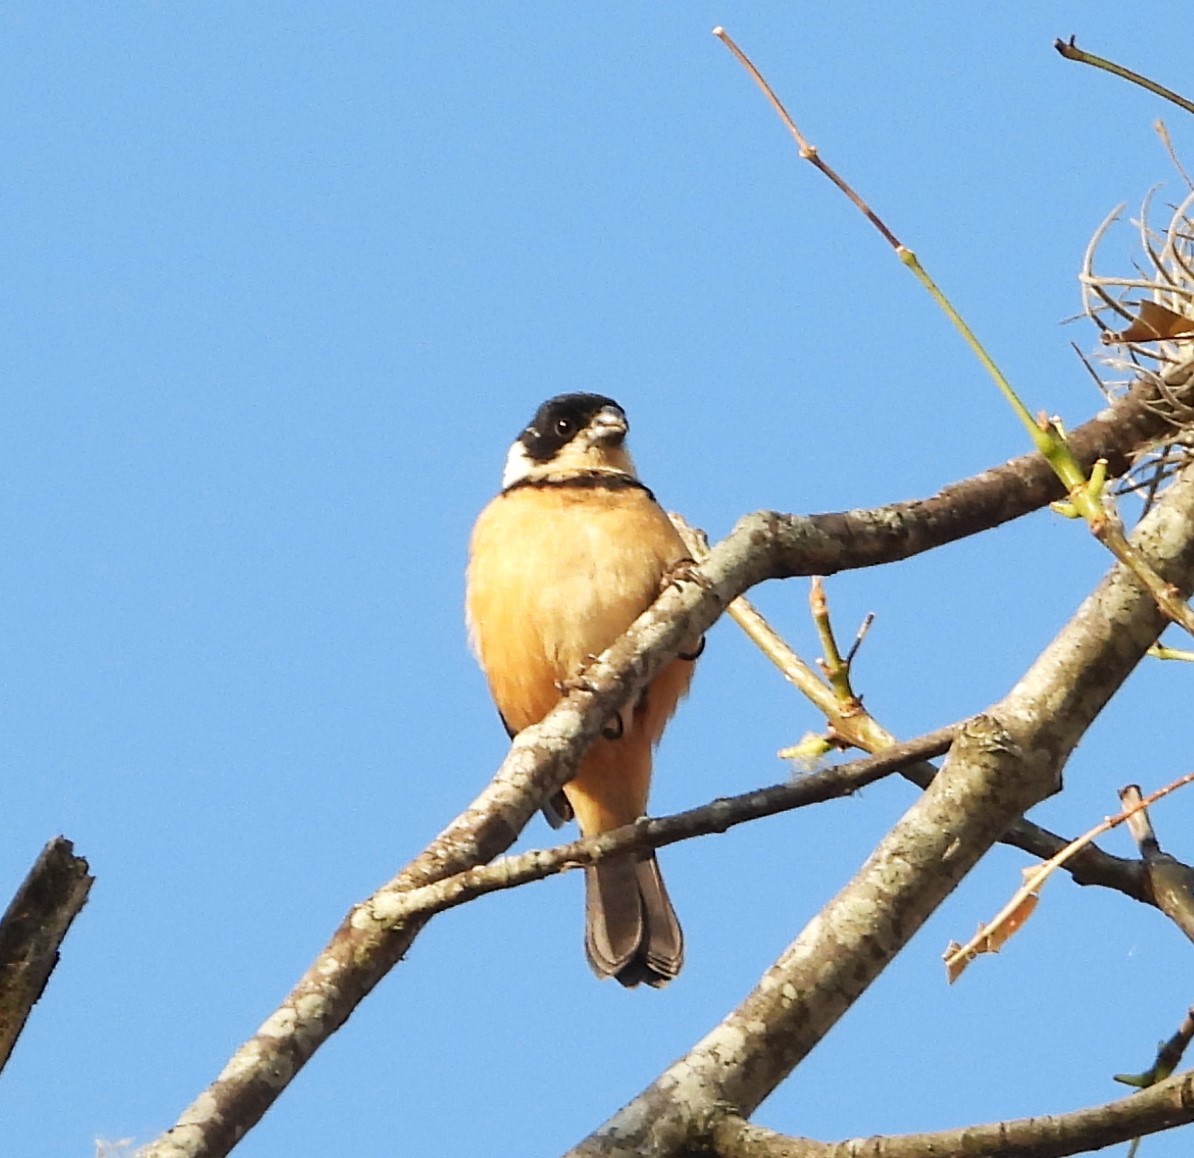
column 1146, row 329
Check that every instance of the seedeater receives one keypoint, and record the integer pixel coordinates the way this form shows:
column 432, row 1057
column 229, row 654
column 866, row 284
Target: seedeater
column 567, row 556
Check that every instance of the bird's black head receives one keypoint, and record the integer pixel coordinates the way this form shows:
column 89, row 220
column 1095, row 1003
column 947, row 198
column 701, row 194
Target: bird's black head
column 560, row 419
column 571, row 435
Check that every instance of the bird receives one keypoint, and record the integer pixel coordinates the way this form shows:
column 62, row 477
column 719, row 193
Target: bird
column 571, row 551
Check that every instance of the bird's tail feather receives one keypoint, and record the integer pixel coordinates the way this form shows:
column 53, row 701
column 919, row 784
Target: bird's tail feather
column 631, row 930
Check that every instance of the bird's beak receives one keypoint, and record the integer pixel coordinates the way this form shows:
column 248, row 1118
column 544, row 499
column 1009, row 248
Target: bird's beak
column 609, row 425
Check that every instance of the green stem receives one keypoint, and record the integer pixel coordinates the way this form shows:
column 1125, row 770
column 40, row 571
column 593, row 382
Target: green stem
column 1071, row 51
column 1039, row 438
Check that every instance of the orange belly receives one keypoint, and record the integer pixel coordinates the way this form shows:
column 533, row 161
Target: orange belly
column 556, row 574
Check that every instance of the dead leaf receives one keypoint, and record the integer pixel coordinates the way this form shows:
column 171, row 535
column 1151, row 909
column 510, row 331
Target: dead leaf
column 991, row 938
column 1154, row 323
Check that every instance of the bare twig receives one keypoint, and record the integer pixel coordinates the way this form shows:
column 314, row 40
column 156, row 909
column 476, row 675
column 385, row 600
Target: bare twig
column 1084, row 495
column 865, row 626
column 1088, row 866
column 718, row 816
column 835, row 667
column 1070, row 50
column 1160, row 651
column 801, row 675
column 1043, row 436
column 992, row 936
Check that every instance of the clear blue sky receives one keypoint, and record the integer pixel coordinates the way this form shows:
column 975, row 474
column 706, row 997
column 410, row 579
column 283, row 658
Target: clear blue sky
column 281, row 283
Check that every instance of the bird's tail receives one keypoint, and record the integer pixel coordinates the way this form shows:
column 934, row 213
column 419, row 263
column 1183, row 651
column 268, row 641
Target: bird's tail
column 631, row 930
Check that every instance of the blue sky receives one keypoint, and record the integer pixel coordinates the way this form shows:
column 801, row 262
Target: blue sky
column 282, row 282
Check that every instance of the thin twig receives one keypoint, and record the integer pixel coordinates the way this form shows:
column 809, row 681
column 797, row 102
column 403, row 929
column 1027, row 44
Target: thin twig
column 716, row 817
column 1163, row 132
column 1084, row 496
column 1070, row 50
column 989, row 938
column 859, row 636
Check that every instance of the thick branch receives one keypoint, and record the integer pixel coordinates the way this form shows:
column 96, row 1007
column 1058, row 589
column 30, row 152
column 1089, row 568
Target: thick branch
column 1171, row 885
column 1089, row 866
column 825, row 544
column 1001, row 765
column 1163, row 1106
column 32, row 930
column 762, row 546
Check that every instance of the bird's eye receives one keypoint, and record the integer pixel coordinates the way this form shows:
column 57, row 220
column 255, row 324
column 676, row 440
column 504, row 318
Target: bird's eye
column 565, row 426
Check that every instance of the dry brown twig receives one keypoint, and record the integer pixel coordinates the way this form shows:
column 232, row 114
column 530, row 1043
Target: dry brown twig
column 992, row 936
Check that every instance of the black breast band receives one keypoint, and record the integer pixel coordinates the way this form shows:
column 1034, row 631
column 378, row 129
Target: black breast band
column 584, row 480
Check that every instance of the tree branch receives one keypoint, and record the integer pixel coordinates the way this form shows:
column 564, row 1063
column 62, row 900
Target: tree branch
column 715, row 817
column 1170, row 883
column 1162, row 1107
column 826, row 544
column 32, row 930
column 1119, row 873
column 1089, row 866
column 762, row 546
column 1001, row 764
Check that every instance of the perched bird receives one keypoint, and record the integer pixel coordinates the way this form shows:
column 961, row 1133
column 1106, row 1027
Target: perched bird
column 567, row 556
